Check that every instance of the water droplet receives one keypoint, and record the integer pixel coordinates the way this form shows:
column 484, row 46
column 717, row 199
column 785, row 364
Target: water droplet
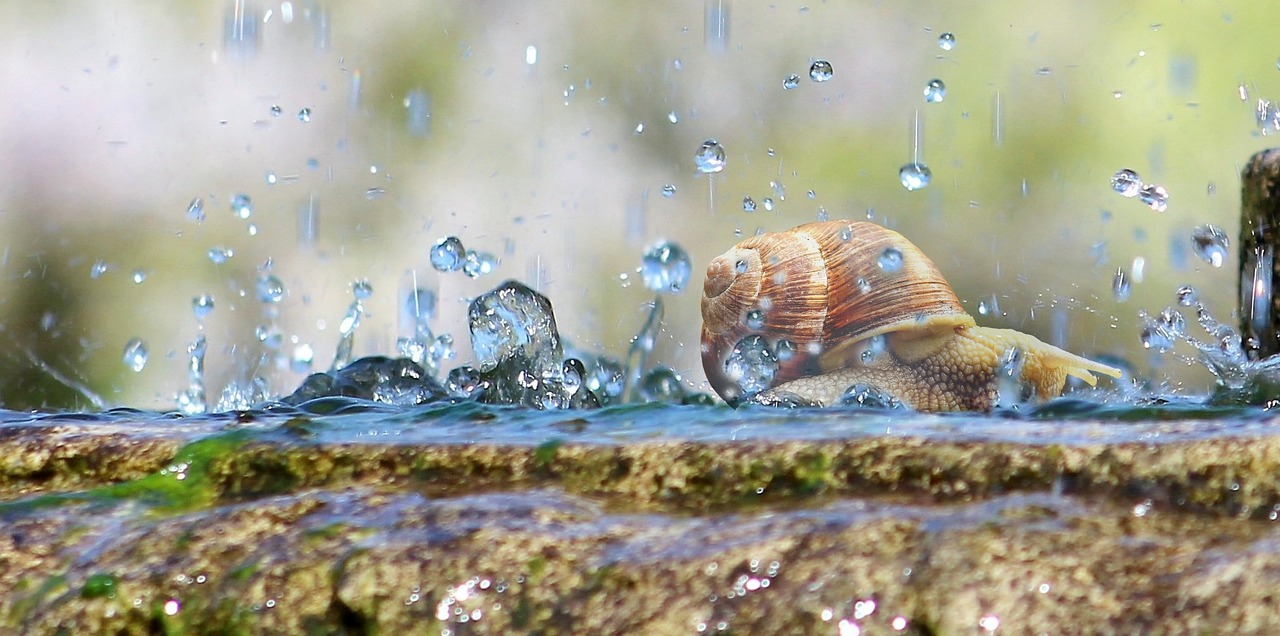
column 869, row 397
column 935, row 91
column 304, row 115
column 361, row 289
column 195, row 210
column 947, row 41
column 754, row 320
column 820, row 71
column 768, row 204
column 271, row 178
column 864, row 285
column 1172, row 322
column 1210, row 243
column 1155, row 196
column 139, row 276
column 242, row 205
column 791, row 82
column 302, row 357
column 513, row 332
column 740, row 267
column 1154, row 337
column 1126, row 182
column 448, row 254
column 914, row 176
column 751, row 365
column 875, row 349
column 779, row 190
column 665, row 267
column 673, row 117
column 202, row 305
column 477, row 264
column 662, row 384
column 639, row 128
column 784, row 350
column 890, row 260
column 135, row 354
column 276, row 110
column 270, row 289
column 748, row 204
column 668, row 191
column 1120, row 287
column 98, row 268
column 710, row 157
column 1187, row 296
column 220, row 255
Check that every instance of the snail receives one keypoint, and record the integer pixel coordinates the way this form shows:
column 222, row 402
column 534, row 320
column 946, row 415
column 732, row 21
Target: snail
column 825, row 306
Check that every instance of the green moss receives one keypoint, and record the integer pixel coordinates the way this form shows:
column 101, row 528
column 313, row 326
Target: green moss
column 100, row 585
column 545, row 453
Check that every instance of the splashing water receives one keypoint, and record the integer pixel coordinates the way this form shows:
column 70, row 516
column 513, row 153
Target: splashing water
column 195, row 210
column 477, row 264
column 710, row 157
column 1120, row 286
column 202, row 306
column 242, row 206
column 191, row 401
column 1155, row 196
column 361, row 290
column 890, row 260
column 751, row 365
column 1210, row 243
column 448, row 254
column 935, row 91
column 270, row 289
column 135, row 354
column 1126, row 182
column 864, row 396
column 821, row 71
column 914, row 175
column 666, row 268
column 514, row 322
column 642, row 347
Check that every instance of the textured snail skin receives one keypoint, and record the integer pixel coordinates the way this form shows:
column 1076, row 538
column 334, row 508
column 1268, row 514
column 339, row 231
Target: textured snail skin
column 953, row 372
column 819, row 286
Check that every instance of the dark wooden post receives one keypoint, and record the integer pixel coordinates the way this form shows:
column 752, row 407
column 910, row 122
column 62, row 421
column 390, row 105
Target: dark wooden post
column 1259, row 237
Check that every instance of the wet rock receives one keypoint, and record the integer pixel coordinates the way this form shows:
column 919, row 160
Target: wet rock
column 220, row 524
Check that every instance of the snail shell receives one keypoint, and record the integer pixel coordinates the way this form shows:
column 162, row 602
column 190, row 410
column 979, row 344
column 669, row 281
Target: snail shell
column 848, row 302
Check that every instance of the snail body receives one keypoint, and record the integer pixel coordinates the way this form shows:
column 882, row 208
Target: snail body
column 832, row 304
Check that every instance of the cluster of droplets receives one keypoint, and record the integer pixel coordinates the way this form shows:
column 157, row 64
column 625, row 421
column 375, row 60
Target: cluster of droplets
column 1208, row 242
column 449, row 255
column 1222, row 352
column 665, row 269
column 820, row 71
column 1128, row 184
column 423, row 347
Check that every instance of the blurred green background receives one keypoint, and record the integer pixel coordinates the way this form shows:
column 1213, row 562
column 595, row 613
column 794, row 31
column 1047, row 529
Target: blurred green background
column 543, row 132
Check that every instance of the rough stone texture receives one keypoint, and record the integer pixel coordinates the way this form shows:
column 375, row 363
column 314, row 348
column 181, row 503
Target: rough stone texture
column 267, row 532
